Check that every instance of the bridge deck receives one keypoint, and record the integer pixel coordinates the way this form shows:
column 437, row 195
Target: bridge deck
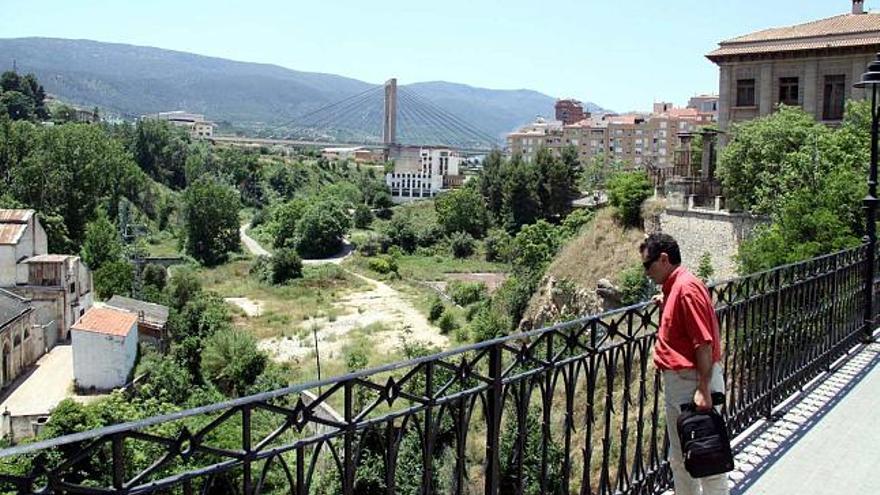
column 826, row 440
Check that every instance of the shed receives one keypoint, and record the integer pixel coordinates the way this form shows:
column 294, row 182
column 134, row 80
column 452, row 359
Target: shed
column 152, row 318
column 104, row 344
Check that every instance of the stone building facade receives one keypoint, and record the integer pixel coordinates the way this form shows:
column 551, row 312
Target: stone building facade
column 811, row 65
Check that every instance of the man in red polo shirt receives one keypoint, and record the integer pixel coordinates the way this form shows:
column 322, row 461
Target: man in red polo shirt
column 687, row 351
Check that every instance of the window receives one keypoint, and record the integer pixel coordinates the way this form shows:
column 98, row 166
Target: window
column 745, row 92
column 788, row 90
column 835, row 92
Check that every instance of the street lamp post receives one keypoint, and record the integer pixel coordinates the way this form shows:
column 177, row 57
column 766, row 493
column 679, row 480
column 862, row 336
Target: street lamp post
column 871, row 79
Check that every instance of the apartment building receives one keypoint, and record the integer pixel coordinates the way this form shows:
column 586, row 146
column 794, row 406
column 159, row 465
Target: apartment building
column 637, row 140
column 569, row 111
column 194, row 123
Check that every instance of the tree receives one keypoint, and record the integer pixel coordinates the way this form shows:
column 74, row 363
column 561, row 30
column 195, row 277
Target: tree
column 806, row 177
column 232, row 361
column 401, row 231
column 497, row 245
column 10, row 81
column 114, row 278
column 363, row 217
column 521, row 204
column 17, row 105
column 462, row 210
column 102, row 243
column 491, row 183
column 772, row 156
column 320, row 231
column 557, row 181
column 155, row 276
column 284, row 220
column 626, row 192
column 185, row 286
column 211, row 215
column 160, row 149
column 534, row 247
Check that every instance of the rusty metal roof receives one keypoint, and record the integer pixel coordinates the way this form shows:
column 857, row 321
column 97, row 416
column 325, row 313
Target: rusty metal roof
column 10, row 233
column 15, row 216
column 847, row 30
column 152, row 313
column 49, row 258
column 106, row 321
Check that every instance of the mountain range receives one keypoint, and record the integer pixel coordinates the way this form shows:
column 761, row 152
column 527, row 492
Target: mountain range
column 129, row 81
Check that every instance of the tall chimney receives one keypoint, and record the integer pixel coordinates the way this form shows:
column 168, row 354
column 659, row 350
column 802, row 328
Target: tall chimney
column 858, row 7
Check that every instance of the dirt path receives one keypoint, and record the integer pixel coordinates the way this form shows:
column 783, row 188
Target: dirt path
column 381, row 304
column 252, row 245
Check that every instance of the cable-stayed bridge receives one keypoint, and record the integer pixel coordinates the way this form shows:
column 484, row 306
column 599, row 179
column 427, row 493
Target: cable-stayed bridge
column 386, row 116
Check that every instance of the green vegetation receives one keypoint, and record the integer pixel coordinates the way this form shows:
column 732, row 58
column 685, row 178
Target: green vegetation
column 22, row 97
column 808, row 178
column 211, row 213
column 626, row 192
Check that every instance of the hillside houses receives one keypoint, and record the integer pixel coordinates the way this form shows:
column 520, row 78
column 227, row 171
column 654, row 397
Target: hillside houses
column 57, row 286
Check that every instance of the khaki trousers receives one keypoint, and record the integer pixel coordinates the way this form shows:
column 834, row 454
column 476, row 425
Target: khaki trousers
column 679, row 387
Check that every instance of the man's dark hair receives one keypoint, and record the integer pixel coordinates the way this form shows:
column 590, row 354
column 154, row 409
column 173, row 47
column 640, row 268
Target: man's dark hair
column 661, row 243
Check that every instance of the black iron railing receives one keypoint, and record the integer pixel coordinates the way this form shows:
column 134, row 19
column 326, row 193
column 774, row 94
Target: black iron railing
column 573, row 408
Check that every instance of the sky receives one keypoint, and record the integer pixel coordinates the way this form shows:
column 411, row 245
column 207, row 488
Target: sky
column 620, row 54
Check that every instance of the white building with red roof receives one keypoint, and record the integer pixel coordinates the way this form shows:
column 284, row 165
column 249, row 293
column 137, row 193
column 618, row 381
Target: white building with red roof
column 104, row 348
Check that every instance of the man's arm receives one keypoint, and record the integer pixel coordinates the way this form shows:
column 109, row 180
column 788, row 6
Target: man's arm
column 703, row 395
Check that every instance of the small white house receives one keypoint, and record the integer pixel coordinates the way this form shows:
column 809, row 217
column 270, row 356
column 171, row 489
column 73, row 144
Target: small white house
column 104, row 348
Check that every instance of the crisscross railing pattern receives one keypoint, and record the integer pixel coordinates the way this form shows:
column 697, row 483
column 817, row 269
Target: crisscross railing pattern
column 573, row 408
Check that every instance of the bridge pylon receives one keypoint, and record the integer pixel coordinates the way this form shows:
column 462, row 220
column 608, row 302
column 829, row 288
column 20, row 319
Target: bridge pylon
column 389, row 133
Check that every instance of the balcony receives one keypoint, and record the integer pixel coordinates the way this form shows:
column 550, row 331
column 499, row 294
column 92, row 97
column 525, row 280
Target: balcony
column 573, row 408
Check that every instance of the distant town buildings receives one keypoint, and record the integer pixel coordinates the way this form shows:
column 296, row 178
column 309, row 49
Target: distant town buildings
column 104, row 344
column 637, row 140
column 569, row 111
column 811, row 65
column 706, row 104
column 421, row 173
column 359, row 154
column 194, row 123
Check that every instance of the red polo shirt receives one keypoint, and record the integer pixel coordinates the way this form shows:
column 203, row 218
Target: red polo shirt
column 688, row 322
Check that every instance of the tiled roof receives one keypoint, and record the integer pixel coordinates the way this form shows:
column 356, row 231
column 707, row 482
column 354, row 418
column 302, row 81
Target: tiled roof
column 12, row 306
column 10, row 233
column 846, row 30
column 106, row 321
column 15, row 216
column 153, row 313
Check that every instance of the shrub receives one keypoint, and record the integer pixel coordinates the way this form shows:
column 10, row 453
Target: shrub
column 635, row 286
column 286, row 266
column 383, row 264
column 429, row 235
column 705, row 269
column 114, row 277
column 626, row 192
column 261, row 269
column 363, row 217
column 573, row 222
column 370, row 245
column 436, row 310
column 465, row 293
column 497, row 245
column 154, row 275
column 447, row 323
column 232, row 361
column 461, row 244
column 320, row 229
column 401, row 232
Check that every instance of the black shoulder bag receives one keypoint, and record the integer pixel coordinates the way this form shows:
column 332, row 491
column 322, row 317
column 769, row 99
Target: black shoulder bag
column 705, row 444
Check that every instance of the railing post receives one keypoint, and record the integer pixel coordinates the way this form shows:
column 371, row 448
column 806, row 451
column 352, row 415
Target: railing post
column 246, row 446
column 870, row 206
column 493, row 420
column 777, row 308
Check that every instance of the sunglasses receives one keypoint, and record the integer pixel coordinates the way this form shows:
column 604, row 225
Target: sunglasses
column 647, row 264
